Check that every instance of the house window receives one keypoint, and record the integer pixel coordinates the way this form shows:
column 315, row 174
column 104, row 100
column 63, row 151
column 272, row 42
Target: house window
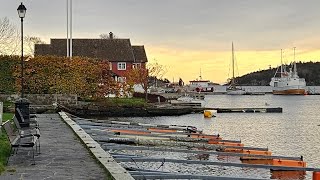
column 136, row 65
column 122, row 66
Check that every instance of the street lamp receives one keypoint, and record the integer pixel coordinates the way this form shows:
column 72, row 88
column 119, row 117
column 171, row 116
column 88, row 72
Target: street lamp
column 22, row 12
column 23, row 103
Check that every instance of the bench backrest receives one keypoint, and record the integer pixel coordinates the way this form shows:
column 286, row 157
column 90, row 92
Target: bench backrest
column 11, row 132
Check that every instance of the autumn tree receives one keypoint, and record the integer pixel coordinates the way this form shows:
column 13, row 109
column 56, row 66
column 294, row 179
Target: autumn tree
column 142, row 76
column 106, row 84
column 50, row 74
column 7, row 68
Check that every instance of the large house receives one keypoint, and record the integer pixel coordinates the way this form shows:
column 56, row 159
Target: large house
column 119, row 52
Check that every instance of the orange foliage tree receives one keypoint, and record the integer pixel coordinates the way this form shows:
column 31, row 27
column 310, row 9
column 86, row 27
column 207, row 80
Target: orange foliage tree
column 142, row 76
column 106, row 84
column 82, row 76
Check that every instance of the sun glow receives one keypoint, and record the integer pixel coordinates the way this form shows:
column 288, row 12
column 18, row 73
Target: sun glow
column 215, row 65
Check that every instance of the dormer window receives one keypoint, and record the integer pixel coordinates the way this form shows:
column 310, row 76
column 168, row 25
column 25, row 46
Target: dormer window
column 122, row 66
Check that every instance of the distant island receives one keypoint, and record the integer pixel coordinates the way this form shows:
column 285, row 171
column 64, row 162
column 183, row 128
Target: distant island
column 308, row 70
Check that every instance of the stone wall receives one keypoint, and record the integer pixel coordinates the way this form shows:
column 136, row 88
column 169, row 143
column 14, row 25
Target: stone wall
column 42, row 99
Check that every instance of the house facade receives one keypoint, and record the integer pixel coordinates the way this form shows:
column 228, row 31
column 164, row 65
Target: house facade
column 119, row 52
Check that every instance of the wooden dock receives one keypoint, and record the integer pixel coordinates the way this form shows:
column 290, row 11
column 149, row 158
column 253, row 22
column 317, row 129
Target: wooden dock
column 247, row 110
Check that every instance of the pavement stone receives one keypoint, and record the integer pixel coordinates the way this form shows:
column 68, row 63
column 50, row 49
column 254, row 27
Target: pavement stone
column 62, row 156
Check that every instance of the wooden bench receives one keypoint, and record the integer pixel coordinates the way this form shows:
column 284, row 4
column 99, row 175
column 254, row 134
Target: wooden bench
column 27, row 131
column 20, row 141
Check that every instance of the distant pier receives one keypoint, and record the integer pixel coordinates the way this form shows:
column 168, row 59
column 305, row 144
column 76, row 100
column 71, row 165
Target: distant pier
column 247, row 110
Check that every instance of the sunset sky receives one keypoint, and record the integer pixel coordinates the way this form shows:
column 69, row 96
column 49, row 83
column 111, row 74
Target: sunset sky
column 188, row 35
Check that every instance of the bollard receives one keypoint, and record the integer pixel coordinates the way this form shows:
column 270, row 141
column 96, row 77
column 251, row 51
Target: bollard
column 316, row 175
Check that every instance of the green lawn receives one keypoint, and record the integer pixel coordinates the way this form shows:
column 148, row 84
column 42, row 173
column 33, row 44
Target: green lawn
column 4, row 144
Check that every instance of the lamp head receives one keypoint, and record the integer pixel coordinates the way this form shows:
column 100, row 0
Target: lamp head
column 22, row 10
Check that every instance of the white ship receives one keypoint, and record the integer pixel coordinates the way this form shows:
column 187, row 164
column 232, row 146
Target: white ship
column 288, row 83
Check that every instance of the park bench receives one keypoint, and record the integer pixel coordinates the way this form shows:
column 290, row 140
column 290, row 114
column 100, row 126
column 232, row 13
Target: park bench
column 20, row 141
column 27, row 131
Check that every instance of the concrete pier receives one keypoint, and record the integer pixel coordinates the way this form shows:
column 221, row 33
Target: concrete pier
column 63, row 156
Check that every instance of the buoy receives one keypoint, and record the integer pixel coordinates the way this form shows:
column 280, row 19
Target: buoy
column 208, row 113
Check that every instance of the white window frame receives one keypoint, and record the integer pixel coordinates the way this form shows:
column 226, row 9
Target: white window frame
column 136, row 65
column 122, row 66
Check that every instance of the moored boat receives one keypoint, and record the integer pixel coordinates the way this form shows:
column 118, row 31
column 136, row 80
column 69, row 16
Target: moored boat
column 288, row 83
column 201, row 86
column 232, row 89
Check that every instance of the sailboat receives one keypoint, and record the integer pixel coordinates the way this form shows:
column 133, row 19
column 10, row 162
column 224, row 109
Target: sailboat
column 232, row 89
column 288, row 83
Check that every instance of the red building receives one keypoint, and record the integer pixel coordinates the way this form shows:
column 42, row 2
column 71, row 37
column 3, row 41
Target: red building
column 119, row 52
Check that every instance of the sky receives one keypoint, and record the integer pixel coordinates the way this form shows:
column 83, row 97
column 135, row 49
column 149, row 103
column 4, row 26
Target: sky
column 188, row 36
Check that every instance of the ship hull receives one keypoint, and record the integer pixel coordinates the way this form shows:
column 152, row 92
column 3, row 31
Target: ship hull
column 289, row 92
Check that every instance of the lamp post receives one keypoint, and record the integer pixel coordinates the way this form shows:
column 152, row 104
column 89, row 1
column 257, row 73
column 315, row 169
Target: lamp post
column 22, row 12
column 22, row 104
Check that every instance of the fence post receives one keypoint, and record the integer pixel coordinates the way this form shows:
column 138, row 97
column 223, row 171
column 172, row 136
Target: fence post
column 1, row 114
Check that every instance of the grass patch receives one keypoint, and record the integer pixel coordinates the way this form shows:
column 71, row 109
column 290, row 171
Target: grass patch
column 4, row 144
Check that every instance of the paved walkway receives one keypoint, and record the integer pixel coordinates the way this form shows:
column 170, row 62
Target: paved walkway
column 62, row 156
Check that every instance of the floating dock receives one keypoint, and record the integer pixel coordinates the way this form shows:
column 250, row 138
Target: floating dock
column 248, row 110
column 123, row 139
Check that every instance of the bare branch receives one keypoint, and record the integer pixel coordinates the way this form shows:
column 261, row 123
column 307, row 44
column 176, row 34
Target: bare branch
column 9, row 37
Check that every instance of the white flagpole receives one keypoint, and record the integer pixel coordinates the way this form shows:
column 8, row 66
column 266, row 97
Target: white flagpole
column 70, row 28
column 67, row 28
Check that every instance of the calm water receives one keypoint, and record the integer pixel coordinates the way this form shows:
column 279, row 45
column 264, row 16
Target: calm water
column 295, row 132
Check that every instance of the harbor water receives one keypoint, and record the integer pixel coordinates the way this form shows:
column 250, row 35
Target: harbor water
column 295, row 132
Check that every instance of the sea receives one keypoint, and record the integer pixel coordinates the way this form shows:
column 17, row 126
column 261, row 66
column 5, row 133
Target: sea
column 294, row 132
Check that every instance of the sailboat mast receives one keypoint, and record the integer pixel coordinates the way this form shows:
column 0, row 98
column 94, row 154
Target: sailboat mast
column 281, row 70
column 232, row 64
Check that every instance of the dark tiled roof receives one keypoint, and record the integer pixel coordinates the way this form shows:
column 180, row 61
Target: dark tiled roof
column 113, row 50
column 140, row 54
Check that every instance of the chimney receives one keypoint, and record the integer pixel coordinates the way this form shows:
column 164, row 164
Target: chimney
column 110, row 35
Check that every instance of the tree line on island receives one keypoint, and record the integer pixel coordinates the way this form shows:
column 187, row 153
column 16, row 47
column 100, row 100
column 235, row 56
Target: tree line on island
column 308, row 70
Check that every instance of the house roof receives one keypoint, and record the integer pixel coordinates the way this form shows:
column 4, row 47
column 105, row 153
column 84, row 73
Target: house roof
column 113, row 50
column 139, row 54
